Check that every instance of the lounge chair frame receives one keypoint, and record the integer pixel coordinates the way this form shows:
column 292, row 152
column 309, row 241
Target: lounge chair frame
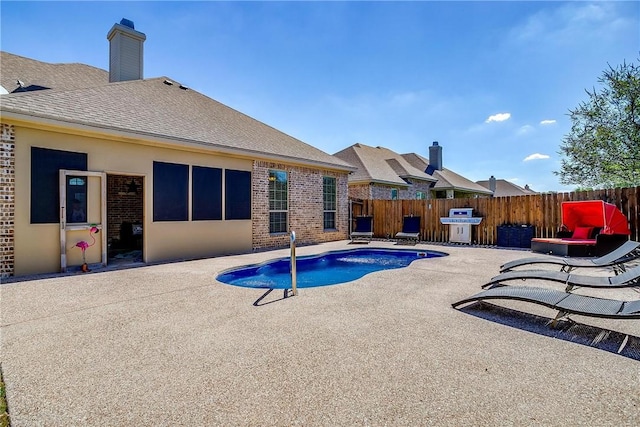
column 615, row 259
column 630, row 278
column 566, row 303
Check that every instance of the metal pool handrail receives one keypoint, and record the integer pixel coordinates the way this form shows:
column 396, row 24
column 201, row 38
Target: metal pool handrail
column 293, row 264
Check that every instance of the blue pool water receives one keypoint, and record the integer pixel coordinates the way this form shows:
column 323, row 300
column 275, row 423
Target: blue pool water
column 329, row 268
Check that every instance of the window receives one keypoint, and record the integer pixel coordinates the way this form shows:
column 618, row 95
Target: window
column 76, row 199
column 421, row 195
column 329, row 202
column 206, row 193
column 278, row 201
column 237, row 185
column 170, row 192
column 394, row 194
column 45, row 182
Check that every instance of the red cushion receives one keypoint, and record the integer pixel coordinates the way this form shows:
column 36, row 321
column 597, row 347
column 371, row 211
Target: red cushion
column 582, row 233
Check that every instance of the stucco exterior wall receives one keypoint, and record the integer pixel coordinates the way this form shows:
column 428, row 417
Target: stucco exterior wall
column 305, row 206
column 7, row 199
column 37, row 246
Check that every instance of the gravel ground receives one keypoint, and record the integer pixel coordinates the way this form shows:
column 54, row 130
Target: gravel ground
column 168, row 345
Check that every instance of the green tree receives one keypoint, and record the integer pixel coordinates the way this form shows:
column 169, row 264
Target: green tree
column 602, row 150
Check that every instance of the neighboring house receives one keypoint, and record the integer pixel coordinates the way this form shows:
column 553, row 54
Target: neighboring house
column 151, row 164
column 385, row 174
column 504, row 188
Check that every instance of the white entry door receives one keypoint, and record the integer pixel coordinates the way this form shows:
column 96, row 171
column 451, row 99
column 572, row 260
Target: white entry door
column 83, row 216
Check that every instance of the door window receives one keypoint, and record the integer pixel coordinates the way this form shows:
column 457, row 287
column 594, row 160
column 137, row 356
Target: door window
column 76, row 199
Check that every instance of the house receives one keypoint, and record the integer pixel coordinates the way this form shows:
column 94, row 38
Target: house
column 148, row 165
column 504, row 188
column 384, row 174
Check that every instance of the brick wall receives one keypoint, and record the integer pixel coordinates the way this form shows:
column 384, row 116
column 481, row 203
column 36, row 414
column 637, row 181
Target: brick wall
column 305, row 206
column 123, row 205
column 383, row 192
column 7, row 197
column 416, row 186
column 360, row 191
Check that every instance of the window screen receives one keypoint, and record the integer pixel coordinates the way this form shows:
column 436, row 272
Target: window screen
column 237, row 190
column 45, row 187
column 206, row 190
column 170, row 192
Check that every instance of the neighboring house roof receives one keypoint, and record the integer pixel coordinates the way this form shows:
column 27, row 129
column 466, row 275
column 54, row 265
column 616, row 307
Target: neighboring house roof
column 152, row 108
column 505, row 188
column 37, row 75
column 446, row 179
column 380, row 165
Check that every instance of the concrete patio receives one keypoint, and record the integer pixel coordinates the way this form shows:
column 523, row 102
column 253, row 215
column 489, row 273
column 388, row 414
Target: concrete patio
column 168, row 345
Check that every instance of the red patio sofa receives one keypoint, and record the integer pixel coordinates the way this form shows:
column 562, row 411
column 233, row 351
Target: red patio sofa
column 589, row 228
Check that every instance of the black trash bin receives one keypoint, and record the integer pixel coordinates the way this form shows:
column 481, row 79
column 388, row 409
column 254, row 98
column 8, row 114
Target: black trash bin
column 515, row 236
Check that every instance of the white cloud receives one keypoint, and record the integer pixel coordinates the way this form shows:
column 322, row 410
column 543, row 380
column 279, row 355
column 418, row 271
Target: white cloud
column 572, row 22
column 500, row 117
column 536, row 156
column 525, row 129
column 547, row 122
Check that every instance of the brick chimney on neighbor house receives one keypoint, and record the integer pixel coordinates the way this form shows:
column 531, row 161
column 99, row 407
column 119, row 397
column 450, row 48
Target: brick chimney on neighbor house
column 125, row 52
column 435, row 156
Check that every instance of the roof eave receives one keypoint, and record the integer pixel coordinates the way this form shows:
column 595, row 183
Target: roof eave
column 421, row 178
column 378, row 181
column 466, row 190
column 470, row 190
column 154, row 139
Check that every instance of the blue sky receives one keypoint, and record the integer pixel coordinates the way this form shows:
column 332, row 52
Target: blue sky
column 491, row 81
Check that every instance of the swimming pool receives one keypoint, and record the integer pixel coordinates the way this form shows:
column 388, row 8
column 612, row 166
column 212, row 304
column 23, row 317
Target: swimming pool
column 328, row 268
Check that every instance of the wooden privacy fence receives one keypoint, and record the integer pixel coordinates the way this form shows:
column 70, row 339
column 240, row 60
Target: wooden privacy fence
column 542, row 211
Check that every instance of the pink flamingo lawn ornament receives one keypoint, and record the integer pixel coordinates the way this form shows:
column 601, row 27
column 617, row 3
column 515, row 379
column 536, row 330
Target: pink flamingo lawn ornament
column 83, row 245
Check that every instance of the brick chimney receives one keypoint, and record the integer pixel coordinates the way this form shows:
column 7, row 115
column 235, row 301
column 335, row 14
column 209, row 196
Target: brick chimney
column 125, row 52
column 435, row 156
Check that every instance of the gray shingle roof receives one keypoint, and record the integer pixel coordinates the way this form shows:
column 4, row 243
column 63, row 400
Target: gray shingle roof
column 447, row 179
column 153, row 109
column 37, row 74
column 380, row 165
column 506, row 188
